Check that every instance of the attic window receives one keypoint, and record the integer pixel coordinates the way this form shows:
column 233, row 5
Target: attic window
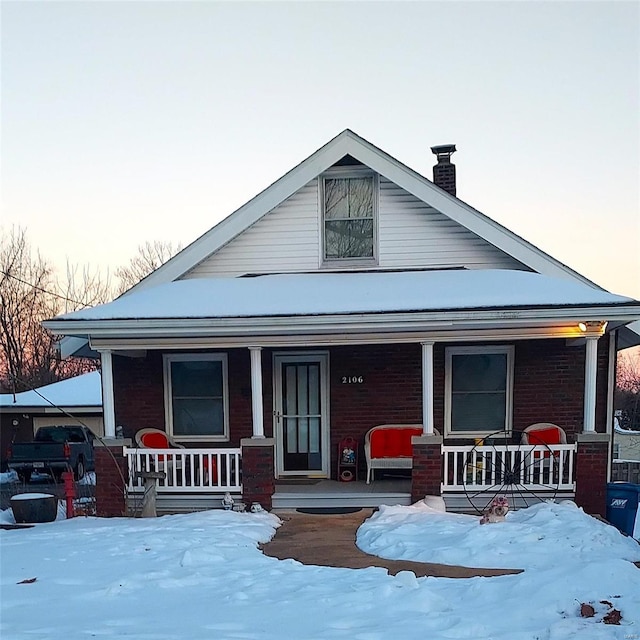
column 349, row 210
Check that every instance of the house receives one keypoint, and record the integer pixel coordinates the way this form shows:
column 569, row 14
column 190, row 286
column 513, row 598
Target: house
column 76, row 400
column 354, row 292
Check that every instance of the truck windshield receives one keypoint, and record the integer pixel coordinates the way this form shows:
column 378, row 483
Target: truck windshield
column 60, row 434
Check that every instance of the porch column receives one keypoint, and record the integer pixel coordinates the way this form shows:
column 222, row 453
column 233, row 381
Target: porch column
column 256, row 392
column 427, row 388
column 590, row 372
column 108, row 409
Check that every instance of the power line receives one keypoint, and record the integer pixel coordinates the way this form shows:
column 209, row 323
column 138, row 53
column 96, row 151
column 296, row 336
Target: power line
column 37, row 288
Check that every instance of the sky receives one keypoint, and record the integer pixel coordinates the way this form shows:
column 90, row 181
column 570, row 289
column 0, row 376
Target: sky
column 201, row 576
column 124, row 122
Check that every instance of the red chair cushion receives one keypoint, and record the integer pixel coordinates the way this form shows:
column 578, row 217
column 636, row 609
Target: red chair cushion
column 550, row 435
column 393, row 443
column 155, row 441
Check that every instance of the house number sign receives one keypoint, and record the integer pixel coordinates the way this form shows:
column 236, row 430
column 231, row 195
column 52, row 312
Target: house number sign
column 352, row 379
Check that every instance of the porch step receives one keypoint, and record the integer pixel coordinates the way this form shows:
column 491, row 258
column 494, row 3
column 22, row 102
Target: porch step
column 293, row 500
column 331, row 493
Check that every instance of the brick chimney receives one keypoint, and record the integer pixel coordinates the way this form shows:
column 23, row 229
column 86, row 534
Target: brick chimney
column 444, row 173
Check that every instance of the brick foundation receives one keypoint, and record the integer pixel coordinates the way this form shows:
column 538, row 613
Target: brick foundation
column 112, row 477
column 591, row 472
column 258, row 482
column 426, row 474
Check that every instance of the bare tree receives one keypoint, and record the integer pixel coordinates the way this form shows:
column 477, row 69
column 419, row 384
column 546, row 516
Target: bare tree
column 627, row 395
column 150, row 256
column 29, row 294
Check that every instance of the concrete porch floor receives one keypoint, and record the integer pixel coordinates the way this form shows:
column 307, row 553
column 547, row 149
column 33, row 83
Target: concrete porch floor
column 329, row 541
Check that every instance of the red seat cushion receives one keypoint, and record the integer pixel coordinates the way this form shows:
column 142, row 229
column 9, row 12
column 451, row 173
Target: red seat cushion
column 155, row 440
column 393, row 443
column 550, row 435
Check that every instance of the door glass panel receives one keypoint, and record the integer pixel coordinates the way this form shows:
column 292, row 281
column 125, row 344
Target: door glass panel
column 314, row 435
column 314, row 386
column 303, row 390
column 291, row 434
column 303, row 435
column 290, row 404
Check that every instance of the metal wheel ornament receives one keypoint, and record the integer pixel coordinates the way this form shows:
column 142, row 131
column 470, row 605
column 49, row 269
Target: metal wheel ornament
column 500, row 465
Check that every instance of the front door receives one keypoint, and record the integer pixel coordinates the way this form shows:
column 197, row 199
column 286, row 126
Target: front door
column 300, row 414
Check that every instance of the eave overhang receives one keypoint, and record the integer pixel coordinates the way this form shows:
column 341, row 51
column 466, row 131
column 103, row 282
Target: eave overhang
column 514, row 323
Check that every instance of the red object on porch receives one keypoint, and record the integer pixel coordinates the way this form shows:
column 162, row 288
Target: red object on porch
column 545, row 436
column 214, row 469
column 393, row 443
column 155, row 440
column 348, row 459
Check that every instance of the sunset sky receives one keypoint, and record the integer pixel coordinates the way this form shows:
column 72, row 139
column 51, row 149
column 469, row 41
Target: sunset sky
column 124, row 122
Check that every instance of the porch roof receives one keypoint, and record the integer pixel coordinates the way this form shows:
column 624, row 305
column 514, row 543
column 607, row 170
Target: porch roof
column 330, row 294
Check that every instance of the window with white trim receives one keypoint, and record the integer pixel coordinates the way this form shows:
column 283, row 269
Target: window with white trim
column 349, row 209
column 478, row 390
column 196, row 396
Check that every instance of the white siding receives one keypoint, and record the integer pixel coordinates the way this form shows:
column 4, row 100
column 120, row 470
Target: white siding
column 286, row 239
column 411, row 234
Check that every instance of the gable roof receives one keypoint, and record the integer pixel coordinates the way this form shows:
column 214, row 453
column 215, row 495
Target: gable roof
column 351, row 144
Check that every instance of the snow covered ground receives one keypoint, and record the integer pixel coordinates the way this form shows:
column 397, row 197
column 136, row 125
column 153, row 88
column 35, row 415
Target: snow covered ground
column 202, row 576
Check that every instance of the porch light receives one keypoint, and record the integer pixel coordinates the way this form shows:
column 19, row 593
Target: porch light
column 593, row 325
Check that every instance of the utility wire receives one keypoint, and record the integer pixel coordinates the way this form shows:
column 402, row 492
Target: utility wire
column 37, row 288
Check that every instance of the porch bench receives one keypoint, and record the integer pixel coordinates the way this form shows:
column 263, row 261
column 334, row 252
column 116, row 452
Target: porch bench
column 388, row 446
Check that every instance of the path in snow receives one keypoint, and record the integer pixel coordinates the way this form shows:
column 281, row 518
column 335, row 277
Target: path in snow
column 304, row 538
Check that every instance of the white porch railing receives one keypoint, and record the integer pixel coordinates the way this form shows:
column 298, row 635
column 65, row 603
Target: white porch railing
column 187, row 470
column 535, row 469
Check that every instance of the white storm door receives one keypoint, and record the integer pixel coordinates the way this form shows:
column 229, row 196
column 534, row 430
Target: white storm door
column 301, row 414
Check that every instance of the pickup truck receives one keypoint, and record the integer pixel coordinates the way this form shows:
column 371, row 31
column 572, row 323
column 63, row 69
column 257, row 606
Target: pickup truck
column 54, row 450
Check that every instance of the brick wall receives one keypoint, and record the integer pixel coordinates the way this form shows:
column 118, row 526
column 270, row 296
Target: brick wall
column 111, row 479
column 426, row 474
column 591, row 473
column 549, row 385
column 258, row 483
column 139, row 393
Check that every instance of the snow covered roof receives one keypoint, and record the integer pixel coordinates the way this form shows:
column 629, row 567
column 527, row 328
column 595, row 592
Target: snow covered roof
column 81, row 391
column 350, row 293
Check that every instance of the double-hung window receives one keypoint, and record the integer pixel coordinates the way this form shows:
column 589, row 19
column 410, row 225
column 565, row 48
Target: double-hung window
column 196, row 396
column 349, row 207
column 478, row 390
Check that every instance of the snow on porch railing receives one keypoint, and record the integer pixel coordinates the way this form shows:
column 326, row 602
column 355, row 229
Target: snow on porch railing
column 535, row 468
column 187, row 470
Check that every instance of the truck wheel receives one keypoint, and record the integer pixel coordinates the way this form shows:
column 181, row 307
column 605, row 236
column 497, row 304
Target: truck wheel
column 24, row 475
column 79, row 470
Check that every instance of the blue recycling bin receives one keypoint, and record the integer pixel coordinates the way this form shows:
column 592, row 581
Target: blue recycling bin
column 622, row 505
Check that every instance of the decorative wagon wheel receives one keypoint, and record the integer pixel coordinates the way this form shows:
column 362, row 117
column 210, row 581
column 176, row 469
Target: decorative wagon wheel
column 500, row 465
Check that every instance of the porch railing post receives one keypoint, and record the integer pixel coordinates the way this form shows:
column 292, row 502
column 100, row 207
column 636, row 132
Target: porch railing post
column 427, row 388
column 256, row 392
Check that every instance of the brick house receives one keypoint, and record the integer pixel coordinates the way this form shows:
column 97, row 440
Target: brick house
column 354, row 292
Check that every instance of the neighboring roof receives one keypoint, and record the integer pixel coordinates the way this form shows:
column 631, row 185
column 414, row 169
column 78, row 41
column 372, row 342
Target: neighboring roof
column 629, row 336
column 349, row 293
column 349, row 143
column 81, row 391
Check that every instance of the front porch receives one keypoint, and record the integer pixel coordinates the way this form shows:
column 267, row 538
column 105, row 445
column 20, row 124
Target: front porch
column 471, row 476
